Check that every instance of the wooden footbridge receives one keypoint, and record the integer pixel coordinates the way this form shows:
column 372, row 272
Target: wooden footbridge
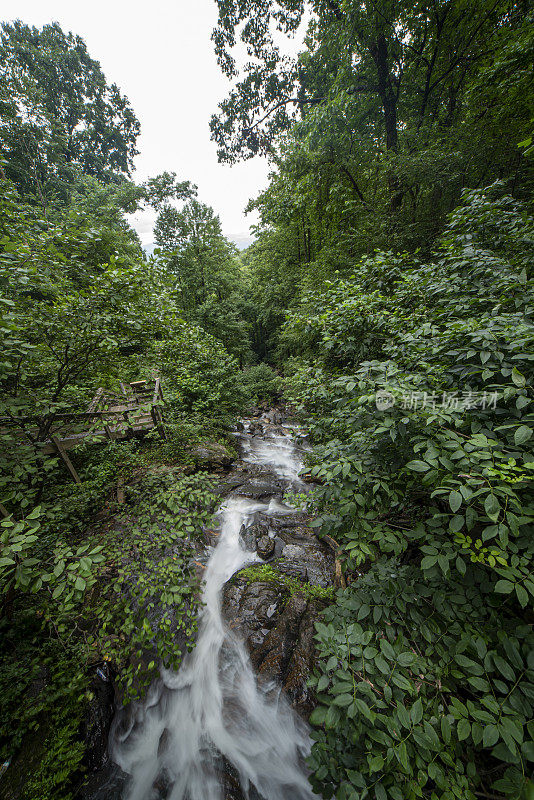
column 137, row 410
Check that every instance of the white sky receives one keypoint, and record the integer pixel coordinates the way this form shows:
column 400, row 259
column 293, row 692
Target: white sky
column 161, row 56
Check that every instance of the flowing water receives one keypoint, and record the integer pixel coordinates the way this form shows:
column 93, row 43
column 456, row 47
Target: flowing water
column 213, row 708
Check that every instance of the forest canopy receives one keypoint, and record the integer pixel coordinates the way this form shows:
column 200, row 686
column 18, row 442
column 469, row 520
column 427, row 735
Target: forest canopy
column 388, row 296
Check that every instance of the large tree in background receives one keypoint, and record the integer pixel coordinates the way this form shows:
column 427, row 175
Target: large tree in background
column 397, row 60
column 394, row 106
column 58, row 115
column 205, row 270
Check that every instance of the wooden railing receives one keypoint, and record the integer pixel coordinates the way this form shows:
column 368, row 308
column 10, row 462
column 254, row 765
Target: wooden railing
column 107, row 418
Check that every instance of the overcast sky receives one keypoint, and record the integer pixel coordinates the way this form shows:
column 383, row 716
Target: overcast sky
column 161, row 56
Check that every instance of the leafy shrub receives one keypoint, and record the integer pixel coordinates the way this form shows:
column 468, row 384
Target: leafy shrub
column 423, row 452
column 151, row 605
column 424, row 689
column 198, row 373
column 261, row 382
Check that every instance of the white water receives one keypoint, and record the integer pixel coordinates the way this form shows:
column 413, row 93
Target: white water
column 213, row 706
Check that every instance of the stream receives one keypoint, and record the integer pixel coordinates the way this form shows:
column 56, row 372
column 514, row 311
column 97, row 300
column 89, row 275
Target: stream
column 213, row 718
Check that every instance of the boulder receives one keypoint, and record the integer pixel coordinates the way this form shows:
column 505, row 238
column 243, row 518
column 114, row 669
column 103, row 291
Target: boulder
column 98, row 719
column 212, row 456
column 252, row 533
column 265, row 547
column 261, row 488
column 278, row 629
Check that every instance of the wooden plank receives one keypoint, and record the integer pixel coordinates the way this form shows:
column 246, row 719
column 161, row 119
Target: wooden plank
column 94, row 402
column 68, row 463
column 158, row 422
column 115, row 432
column 156, row 391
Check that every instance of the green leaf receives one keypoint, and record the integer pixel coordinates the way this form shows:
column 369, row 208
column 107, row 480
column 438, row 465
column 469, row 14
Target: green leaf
column 404, row 716
column 58, row 591
column 376, row 763
column 418, row 466
column 380, row 792
column 364, row 709
column 402, row 754
column 406, row 659
column 428, row 562
column 463, row 729
column 522, row 595
column 455, row 501
column 504, row 587
column 490, row 736
column 492, row 507
column 318, row 715
column 343, row 700
column 517, row 377
column 504, row 668
column 522, row 434
column 416, row 711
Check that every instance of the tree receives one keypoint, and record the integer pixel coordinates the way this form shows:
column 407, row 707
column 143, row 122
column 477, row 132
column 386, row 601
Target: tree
column 383, row 104
column 58, row 116
column 196, row 253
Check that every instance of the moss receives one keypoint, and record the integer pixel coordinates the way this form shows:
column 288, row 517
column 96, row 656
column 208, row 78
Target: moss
column 268, row 574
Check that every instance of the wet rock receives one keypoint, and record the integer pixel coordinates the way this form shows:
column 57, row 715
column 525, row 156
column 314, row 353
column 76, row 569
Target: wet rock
column 292, row 520
column 232, row 785
column 262, row 488
column 106, row 784
column 274, row 416
column 97, row 721
column 293, row 551
column 278, row 630
column 287, row 653
column 299, row 552
column 239, row 476
column 250, row 608
column 265, row 547
column 212, row 455
column 293, row 569
column 230, row 483
column 251, row 534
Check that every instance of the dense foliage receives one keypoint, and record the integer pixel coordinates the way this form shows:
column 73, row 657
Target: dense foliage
column 397, row 295
column 390, row 282
column 97, row 574
column 424, row 452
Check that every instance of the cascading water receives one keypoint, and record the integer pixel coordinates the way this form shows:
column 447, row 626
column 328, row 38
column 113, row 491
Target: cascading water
column 213, row 707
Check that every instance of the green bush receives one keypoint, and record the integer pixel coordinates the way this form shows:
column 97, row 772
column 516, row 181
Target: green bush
column 261, row 382
column 199, row 375
column 426, row 676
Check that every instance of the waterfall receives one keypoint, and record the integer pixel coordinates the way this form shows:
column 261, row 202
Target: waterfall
column 213, row 707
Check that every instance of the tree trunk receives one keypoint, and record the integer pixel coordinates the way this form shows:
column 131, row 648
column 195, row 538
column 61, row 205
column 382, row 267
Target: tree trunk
column 388, row 97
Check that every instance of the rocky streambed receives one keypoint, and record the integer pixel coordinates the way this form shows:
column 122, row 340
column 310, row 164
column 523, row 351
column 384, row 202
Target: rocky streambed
column 231, row 723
